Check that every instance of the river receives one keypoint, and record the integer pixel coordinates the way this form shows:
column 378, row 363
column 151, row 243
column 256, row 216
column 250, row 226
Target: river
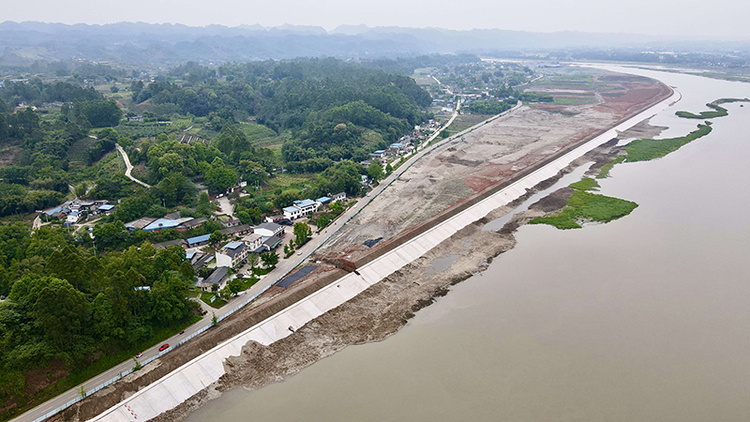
column 642, row 319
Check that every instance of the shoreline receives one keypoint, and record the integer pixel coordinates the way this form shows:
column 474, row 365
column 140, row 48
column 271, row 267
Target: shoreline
column 259, row 365
column 333, row 331
column 389, row 303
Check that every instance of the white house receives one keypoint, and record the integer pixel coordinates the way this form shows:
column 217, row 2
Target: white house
column 253, row 241
column 339, row 197
column 269, row 229
column 233, row 254
column 301, row 208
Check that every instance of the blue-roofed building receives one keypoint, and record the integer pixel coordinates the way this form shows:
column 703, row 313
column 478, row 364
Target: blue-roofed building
column 323, row 200
column 160, row 224
column 53, row 211
column 198, row 240
column 106, row 208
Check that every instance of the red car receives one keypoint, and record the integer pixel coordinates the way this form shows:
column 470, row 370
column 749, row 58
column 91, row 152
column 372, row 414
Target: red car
column 164, row 347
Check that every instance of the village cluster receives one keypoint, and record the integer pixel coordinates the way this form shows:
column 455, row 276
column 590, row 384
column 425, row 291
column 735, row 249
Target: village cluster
column 223, row 261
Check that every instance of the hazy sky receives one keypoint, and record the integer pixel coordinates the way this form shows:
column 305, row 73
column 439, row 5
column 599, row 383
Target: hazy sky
column 725, row 19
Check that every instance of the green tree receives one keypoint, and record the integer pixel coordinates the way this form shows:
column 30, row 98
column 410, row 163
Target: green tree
column 235, row 286
column 219, row 179
column 252, row 259
column 375, row 172
column 62, row 312
column 109, row 235
column 302, row 233
column 169, row 294
column 81, row 190
column 253, row 173
column 270, row 259
column 336, row 207
column 204, row 205
column 216, row 237
column 226, row 292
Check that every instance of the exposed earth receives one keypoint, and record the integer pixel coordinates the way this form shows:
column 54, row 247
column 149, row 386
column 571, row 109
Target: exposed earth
column 451, row 175
column 495, row 153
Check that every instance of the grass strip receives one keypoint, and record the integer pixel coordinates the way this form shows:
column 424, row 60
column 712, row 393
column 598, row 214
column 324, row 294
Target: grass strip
column 649, row 149
column 585, row 206
column 217, row 303
column 585, row 184
column 604, row 171
column 719, row 111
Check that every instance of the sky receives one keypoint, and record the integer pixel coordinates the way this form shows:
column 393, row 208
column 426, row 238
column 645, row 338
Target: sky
column 684, row 19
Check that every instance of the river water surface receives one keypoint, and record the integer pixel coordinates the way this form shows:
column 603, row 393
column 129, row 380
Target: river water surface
column 646, row 318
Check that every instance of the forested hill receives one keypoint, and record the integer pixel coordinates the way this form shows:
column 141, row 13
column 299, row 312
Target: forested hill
column 308, row 97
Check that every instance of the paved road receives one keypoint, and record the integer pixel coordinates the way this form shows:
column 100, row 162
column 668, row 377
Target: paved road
column 282, row 269
column 129, row 167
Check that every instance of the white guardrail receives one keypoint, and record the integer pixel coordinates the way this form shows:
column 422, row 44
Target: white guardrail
column 426, row 149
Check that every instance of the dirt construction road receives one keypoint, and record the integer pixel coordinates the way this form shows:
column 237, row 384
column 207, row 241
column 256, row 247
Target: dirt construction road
column 490, row 155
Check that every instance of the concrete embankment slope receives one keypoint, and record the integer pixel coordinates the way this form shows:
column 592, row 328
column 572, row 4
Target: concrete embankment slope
column 199, row 373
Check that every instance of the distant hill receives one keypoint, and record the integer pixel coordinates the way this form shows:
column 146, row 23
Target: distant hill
column 140, row 44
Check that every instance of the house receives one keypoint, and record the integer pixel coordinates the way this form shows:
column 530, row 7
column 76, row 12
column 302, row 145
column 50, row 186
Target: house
column 160, row 224
column 216, row 277
column 300, row 208
column 379, row 154
column 140, row 223
column 164, row 245
column 269, row 230
column 237, row 230
column 106, row 209
column 271, row 243
column 396, row 146
column 253, row 241
column 323, row 200
column 231, row 222
column 57, row 212
column 194, row 223
column 200, row 260
column 181, row 223
column 233, row 254
column 339, row 197
column 274, row 218
column 173, row 215
column 72, row 218
column 198, row 240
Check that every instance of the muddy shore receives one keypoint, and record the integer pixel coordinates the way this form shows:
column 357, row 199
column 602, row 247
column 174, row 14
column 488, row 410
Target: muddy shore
column 372, row 316
column 384, row 308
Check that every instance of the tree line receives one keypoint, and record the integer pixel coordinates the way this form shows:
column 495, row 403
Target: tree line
column 68, row 304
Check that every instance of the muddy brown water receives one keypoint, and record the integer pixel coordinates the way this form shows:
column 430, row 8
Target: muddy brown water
column 642, row 319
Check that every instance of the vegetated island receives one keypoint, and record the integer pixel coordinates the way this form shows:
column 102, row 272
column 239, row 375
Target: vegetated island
column 719, row 111
column 649, row 149
column 584, row 206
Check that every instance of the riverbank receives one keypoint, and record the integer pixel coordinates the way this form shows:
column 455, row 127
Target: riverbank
column 404, row 310
column 381, row 310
